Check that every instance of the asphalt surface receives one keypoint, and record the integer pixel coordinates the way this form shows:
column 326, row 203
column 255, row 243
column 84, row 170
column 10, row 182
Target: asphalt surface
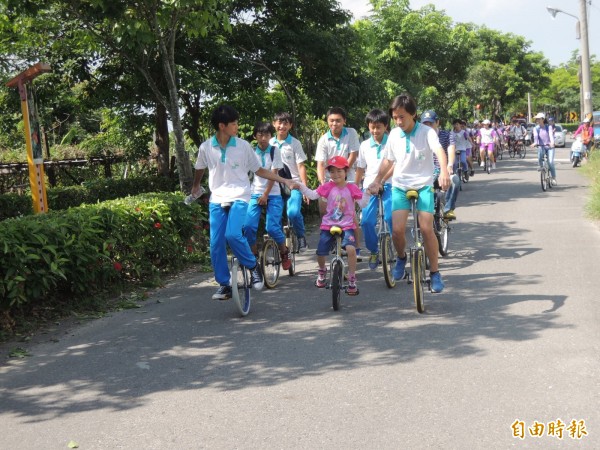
column 514, row 337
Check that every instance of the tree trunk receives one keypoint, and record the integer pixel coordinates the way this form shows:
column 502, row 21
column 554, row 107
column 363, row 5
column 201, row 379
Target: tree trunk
column 161, row 139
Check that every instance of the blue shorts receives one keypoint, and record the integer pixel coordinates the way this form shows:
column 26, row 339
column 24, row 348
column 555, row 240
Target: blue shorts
column 425, row 202
column 327, row 241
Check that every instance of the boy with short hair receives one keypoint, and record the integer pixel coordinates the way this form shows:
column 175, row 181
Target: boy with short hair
column 266, row 193
column 228, row 160
column 409, row 149
column 369, row 159
column 293, row 158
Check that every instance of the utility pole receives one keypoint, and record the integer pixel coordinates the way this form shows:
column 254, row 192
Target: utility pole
column 586, row 77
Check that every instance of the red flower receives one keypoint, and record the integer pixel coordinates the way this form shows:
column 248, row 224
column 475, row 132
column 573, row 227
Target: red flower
column 157, row 225
column 117, row 265
column 190, row 249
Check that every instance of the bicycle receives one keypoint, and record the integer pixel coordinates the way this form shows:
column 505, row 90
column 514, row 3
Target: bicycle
column 487, row 164
column 418, row 260
column 545, row 177
column 337, row 270
column 386, row 246
column 441, row 226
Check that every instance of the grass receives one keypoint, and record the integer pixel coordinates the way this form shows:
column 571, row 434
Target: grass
column 592, row 170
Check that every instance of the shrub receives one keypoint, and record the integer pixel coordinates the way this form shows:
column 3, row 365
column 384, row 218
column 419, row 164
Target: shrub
column 84, row 250
column 13, row 205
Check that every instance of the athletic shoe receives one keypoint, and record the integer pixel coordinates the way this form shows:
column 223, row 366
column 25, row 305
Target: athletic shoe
column 358, row 257
column 256, row 277
column 321, row 279
column 472, row 172
column 437, row 285
column 481, row 164
column 302, row 245
column 286, row 263
column 352, row 289
column 553, row 182
column 373, row 261
column 223, row 293
column 493, row 165
column 398, row 271
column 449, row 215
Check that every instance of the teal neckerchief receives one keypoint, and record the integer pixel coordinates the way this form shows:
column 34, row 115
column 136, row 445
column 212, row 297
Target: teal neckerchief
column 379, row 146
column 260, row 152
column 230, row 143
column 337, row 141
column 408, row 136
column 279, row 143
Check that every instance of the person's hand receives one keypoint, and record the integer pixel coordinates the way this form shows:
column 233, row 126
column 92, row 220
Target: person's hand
column 450, row 169
column 374, row 188
column 306, row 199
column 263, row 199
column 197, row 191
column 444, row 180
column 293, row 185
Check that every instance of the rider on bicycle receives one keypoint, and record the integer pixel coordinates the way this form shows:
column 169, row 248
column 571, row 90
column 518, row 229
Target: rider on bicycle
column 543, row 137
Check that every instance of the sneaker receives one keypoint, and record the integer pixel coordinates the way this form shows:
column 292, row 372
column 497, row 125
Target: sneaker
column 352, row 289
column 437, row 285
column 398, row 271
column 373, row 261
column 302, row 245
column 358, row 257
column 286, row 262
column 471, row 173
column 493, row 165
column 321, row 279
column 256, row 277
column 449, row 215
column 224, row 293
column 481, row 164
column 553, row 182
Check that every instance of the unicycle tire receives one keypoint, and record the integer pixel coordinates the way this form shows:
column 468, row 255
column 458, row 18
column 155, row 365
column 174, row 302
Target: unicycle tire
column 240, row 287
column 388, row 260
column 270, row 263
column 337, row 280
column 417, row 265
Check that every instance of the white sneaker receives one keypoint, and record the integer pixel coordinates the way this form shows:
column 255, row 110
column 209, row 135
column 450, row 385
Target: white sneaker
column 493, row 165
column 553, row 182
column 481, row 164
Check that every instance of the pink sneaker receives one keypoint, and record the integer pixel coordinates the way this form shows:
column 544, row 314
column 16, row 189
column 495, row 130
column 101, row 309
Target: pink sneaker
column 321, row 279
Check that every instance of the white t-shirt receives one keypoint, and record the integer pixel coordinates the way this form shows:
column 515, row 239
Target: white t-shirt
column 413, row 155
column 370, row 156
column 292, row 154
column 461, row 140
column 328, row 147
column 259, row 184
column 227, row 168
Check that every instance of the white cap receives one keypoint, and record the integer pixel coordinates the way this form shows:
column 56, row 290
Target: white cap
column 540, row 116
column 586, row 120
column 486, row 122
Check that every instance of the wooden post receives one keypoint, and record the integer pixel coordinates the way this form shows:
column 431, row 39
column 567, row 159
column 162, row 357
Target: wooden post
column 33, row 141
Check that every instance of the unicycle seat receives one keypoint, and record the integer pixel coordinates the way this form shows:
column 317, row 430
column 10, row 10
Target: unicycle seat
column 335, row 231
column 412, row 194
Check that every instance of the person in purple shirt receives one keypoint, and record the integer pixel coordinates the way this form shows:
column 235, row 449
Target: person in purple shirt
column 543, row 137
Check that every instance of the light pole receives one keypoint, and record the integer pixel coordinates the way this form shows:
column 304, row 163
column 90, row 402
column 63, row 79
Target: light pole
column 582, row 35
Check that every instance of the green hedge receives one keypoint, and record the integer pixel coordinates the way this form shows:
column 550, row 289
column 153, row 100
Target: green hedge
column 570, row 126
column 13, row 205
column 81, row 251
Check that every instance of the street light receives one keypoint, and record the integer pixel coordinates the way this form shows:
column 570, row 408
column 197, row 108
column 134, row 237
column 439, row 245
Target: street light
column 582, row 34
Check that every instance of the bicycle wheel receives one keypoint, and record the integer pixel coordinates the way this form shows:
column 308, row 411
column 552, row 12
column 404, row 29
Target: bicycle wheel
column 337, row 279
column 271, row 263
column 488, row 165
column 292, row 245
column 240, row 287
column 544, row 178
column 417, row 267
column 460, row 177
column 388, row 259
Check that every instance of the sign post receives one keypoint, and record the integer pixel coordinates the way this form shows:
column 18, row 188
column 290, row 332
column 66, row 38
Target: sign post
column 33, row 141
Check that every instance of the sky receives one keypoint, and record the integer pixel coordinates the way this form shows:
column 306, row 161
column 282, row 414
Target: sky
column 555, row 38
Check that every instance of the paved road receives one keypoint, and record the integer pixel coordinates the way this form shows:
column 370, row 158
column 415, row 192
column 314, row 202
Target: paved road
column 515, row 336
